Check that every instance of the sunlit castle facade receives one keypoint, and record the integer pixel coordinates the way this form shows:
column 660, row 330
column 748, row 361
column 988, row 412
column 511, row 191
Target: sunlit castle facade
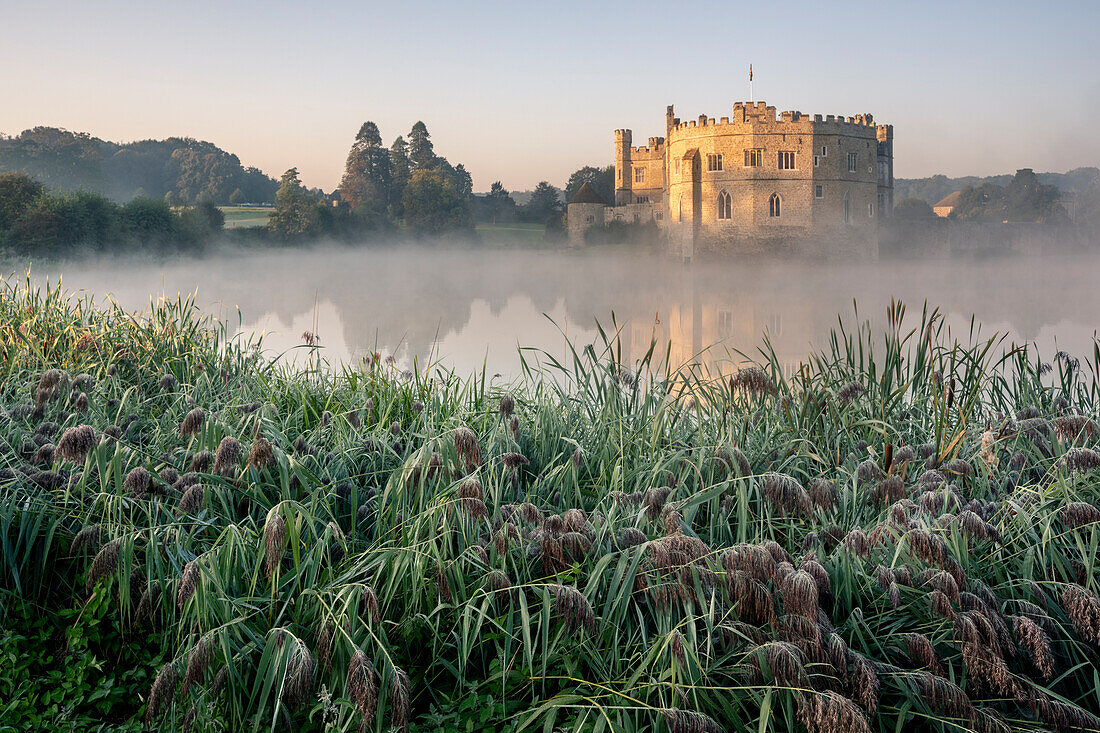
column 753, row 183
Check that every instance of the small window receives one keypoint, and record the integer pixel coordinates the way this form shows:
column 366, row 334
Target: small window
column 676, row 166
column 824, row 151
column 659, row 216
column 590, row 218
column 641, row 199
column 620, row 173
column 819, row 191
column 754, row 158
column 639, row 175
column 881, row 199
column 870, row 210
column 714, row 161
column 847, row 209
column 725, row 206
column 786, row 160
column 852, row 162
column 775, row 206
column 817, row 161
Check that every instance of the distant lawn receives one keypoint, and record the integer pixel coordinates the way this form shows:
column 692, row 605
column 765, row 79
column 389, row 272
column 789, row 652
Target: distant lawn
column 245, row 216
column 512, row 233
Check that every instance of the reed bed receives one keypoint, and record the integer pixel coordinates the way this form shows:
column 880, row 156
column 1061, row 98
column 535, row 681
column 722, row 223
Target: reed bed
column 904, row 533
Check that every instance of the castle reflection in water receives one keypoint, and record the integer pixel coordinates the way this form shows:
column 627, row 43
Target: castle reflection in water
column 469, row 308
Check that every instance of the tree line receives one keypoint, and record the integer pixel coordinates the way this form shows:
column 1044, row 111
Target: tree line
column 1024, row 197
column 409, row 186
column 37, row 221
column 182, row 171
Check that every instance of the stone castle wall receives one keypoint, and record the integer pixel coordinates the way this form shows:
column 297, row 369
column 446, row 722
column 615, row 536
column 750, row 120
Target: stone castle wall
column 832, row 176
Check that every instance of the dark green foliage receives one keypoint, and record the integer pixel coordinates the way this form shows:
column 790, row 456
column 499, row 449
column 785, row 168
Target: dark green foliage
column 82, row 222
column 368, row 173
column 496, row 206
column 296, row 212
column 1024, row 199
column 434, row 203
column 936, row 188
column 545, row 203
column 601, row 179
column 18, row 193
column 76, row 668
column 913, row 209
column 184, row 169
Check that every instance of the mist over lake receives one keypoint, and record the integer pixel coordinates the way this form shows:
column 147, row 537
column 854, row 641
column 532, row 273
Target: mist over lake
column 463, row 308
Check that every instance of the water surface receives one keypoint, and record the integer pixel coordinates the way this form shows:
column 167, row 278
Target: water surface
column 469, row 308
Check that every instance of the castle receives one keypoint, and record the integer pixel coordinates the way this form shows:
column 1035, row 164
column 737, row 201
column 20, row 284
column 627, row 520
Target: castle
column 752, row 184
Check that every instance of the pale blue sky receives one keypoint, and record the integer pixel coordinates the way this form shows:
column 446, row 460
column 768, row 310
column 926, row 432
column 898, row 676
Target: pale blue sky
column 523, row 91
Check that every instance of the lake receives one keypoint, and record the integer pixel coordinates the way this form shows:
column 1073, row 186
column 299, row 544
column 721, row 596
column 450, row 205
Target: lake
column 465, row 308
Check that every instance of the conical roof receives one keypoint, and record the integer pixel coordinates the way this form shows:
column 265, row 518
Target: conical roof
column 586, row 195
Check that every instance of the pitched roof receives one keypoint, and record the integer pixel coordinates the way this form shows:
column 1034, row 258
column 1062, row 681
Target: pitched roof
column 586, row 195
column 951, row 199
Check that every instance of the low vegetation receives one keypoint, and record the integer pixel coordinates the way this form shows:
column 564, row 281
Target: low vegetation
column 903, row 534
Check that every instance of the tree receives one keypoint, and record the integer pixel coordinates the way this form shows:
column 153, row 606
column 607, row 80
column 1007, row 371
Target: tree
column 545, row 204
column 421, row 150
column 146, row 219
column 237, row 197
column 913, row 209
column 295, row 212
column 368, row 172
column 401, row 169
column 434, row 204
column 18, row 193
column 601, row 179
column 497, row 205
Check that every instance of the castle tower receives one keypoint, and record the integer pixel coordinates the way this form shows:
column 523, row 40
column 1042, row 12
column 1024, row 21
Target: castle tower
column 885, row 172
column 623, row 167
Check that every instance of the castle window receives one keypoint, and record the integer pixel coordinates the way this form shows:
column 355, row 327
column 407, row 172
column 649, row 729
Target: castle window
column 870, row 210
column 590, row 218
column 847, row 209
column 852, row 162
column 677, row 166
column 659, row 216
column 881, row 199
column 786, row 160
column 753, row 158
column 817, row 161
column 641, row 199
column 639, row 175
column 824, row 151
column 775, row 205
column 620, row 173
column 725, row 206
column 714, row 161
column 883, row 171
column 819, row 191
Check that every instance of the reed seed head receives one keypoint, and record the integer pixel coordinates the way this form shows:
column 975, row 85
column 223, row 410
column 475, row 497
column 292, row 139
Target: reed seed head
column 227, row 457
column 192, row 422
column 262, row 454
column 162, row 693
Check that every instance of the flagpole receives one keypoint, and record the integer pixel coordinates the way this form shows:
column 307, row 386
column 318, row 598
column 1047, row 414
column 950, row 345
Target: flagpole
column 751, row 100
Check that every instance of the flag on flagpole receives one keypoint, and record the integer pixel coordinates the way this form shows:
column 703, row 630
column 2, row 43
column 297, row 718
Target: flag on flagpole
column 750, row 72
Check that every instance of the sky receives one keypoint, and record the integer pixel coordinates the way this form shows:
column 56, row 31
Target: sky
column 522, row 92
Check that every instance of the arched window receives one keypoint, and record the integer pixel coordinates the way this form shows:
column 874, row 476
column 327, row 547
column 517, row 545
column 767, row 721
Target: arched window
column 775, row 206
column 725, row 206
column 847, row 209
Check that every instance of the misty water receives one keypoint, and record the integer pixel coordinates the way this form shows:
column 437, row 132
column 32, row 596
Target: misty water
column 468, row 308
